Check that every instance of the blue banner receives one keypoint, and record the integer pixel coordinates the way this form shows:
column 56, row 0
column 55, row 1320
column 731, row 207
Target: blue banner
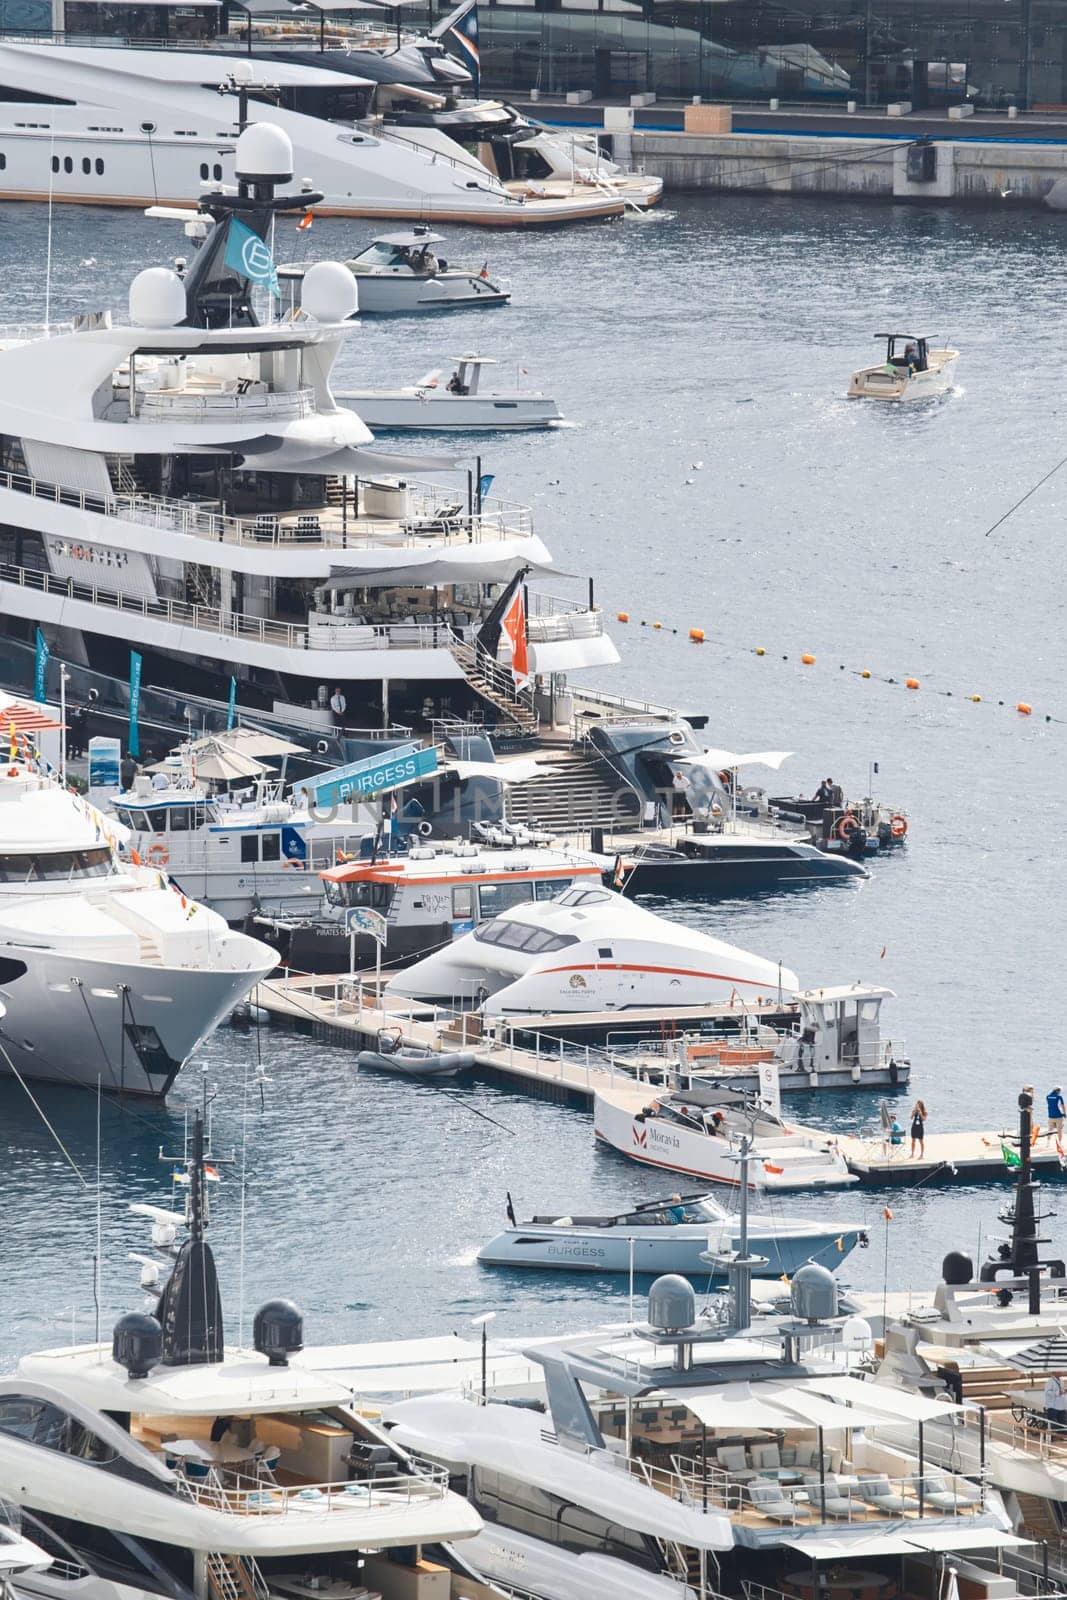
column 133, row 743
column 231, row 711
column 40, row 668
column 373, row 775
column 248, row 255
column 485, row 483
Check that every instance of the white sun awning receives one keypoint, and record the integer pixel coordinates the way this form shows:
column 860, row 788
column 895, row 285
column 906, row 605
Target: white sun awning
column 821, row 1412
column 735, row 1405
column 841, row 1545
column 895, row 1405
column 522, row 769
column 965, row 1538
column 719, row 760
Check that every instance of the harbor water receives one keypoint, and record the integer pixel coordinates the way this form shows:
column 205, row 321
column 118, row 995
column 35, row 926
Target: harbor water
column 714, row 478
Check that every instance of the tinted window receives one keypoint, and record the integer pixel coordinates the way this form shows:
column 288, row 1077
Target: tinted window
column 496, row 897
column 181, row 818
column 250, row 847
column 549, row 888
column 463, row 903
column 272, row 847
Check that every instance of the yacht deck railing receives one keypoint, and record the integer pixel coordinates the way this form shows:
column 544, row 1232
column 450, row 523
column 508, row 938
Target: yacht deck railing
column 242, row 1495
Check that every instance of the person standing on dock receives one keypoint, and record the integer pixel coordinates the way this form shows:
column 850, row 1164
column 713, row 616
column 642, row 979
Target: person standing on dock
column 1056, row 1113
column 918, row 1130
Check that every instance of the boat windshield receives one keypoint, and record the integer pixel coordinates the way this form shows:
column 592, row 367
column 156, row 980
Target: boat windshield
column 706, row 1210
column 377, row 895
column 56, row 866
column 384, row 255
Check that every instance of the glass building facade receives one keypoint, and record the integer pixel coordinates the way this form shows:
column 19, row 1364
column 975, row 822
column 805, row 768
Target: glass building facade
column 935, row 53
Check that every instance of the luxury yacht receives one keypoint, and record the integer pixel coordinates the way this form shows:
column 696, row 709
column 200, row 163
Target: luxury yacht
column 107, row 973
column 681, row 1457
column 587, row 949
column 166, row 1463
column 187, row 485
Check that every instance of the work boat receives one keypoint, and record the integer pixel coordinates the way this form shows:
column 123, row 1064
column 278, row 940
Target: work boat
column 142, row 126
column 107, row 974
column 587, row 950
column 433, row 894
column 252, row 849
column 687, row 1458
column 913, row 369
column 462, row 402
column 691, row 1234
column 700, row 1129
column 164, row 1463
column 187, row 485
column 402, row 273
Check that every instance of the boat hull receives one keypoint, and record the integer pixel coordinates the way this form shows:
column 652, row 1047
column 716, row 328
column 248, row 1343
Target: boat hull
column 386, row 295
column 722, row 880
column 878, row 383
column 437, row 410
column 69, row 1020
column 442, row 1065
column 665, row 1249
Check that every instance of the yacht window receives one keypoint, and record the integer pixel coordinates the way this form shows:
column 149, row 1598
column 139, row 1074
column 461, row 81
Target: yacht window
column 496, row 897
column 157, row 820
column 463, row 903
column 55, row 163
column 549, row 888
column 56, row 866
column 869, row 1010
column 272, row 847
column 87, row 165
column 384, row 255
column 539, row 942
column 335, row 893
column 99, row 167
column 181, row 819
column 42, row 1423
column 138, row 820
column 216, row 172
column 583, row 897
column 604, row 952
column 514, row 935
column 18, row 1416
column 204, row 172
column 250, row 847
column 3, row 161
column 68, row 164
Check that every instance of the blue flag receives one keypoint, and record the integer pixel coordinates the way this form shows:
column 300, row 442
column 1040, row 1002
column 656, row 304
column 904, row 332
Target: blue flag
column 463, row 38
column 485, row 483
column 40, row 667
column 232, row 708
column 247, row 254
column 134, row 741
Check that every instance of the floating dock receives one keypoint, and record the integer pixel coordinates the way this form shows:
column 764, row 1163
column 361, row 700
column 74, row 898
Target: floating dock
column 948, row 1158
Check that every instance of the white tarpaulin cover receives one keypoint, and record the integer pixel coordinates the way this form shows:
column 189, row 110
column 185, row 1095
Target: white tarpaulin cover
column 964, row 1538
column 896, row 1405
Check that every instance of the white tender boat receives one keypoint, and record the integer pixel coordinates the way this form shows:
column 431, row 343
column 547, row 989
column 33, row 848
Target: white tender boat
column 588, row 950
column 675, row 1234
column 912, row 370
column 699, row 1131
column 462, row 402
column 107, row 973
column 403, row 272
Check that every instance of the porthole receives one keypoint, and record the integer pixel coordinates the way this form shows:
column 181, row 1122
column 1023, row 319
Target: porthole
column 99, row 167
column 217, row 172
column 87, row 165
column 204, row 173
column 55, row 163
column 68, row 164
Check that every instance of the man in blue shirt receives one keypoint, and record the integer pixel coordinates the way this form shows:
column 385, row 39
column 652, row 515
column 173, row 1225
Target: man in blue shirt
column 1056, row 1113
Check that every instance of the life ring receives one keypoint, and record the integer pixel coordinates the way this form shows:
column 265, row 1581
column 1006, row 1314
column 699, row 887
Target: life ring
column 898, row 826
column 300, row 866
column 157, row 855
column 425, row 828
column 847, row 826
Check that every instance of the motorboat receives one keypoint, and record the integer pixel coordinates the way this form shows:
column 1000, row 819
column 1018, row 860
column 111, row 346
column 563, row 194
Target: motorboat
column 699, row 1131
column 913, row 369
column 403, row 272
column 170, row 1463
column 736, row 860
column 108, row 973
column 857, row 828
column 462, row 402
column 429, row 895
column 254, row 848
column 689, row 1234
column 586, row 950
column 413, row 1061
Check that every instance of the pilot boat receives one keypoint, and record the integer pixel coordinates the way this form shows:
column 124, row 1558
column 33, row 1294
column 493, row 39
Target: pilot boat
column 462, row 402
column 587, row 950
column 913, row 369
column 401, row 272
column 675, row 1234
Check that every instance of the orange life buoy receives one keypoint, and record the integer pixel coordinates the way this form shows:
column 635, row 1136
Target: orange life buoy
column 898, row 826
column 846, row 826
column 158, row 855
column 299, row 865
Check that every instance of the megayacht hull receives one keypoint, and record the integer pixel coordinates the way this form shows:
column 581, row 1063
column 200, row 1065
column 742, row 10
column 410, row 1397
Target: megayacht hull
column 131, row 1028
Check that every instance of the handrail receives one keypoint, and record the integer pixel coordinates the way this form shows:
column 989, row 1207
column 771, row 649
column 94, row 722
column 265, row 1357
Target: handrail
column 239, row 1494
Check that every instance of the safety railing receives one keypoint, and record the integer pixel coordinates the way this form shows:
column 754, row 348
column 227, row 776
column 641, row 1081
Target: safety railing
column 844, row 1499
column 153, row 404
column 241, row 1495
column 331, row 526
column 551, row 618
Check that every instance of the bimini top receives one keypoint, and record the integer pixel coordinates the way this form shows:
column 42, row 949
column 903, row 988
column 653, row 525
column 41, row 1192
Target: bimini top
column 410, row 238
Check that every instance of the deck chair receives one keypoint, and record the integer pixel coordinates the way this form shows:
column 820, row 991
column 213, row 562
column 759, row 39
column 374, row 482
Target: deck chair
column 940, row 1494
column 769, row 1501
column 878, row 1492
column 827, row 1497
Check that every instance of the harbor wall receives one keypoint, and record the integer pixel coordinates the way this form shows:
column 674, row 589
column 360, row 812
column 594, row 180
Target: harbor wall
column 967, row 172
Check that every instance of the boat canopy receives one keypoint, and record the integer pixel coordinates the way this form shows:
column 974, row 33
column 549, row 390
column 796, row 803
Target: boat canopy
column 410, row 238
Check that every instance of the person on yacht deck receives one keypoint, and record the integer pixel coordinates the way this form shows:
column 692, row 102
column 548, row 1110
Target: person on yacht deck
column 1056, row 1113
column 1055, row 1400
column 338, row 704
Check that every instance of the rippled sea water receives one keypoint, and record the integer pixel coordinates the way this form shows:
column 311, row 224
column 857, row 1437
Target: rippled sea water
column 720, row 332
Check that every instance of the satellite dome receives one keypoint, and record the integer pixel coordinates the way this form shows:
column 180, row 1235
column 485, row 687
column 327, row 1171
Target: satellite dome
column 672, row 1304
column 157, row 298
column 264, row 154
column 813, row 1293
column 329, row 292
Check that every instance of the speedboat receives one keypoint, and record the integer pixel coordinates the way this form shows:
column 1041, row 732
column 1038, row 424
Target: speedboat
column 675, row 1234
column 587, row 950
column 699, row 1131
column 412, row 1060
column 735, row 861
column 913, row 369
column 402, row 272
column 460, row 403
column 107, row 973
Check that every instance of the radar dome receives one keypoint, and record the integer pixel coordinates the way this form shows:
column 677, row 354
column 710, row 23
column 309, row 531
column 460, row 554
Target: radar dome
column 137, row 1343
column 957, row 1268
column 672, row 1305
column 813, row 1293
column 329, row 292
column 278, row 1331
column 157, row 298
column 264, row 154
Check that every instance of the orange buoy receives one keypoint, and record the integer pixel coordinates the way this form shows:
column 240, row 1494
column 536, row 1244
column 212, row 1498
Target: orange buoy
column 760, row 650
column 623, row 616
column 697, row 635
column 911, row 683
column 657, row 624
column 1023, row 708
column 976, row 699
column 809, row 661
column 865, row 673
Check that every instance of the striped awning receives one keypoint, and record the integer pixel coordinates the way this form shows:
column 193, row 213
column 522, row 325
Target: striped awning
column 27, row 718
